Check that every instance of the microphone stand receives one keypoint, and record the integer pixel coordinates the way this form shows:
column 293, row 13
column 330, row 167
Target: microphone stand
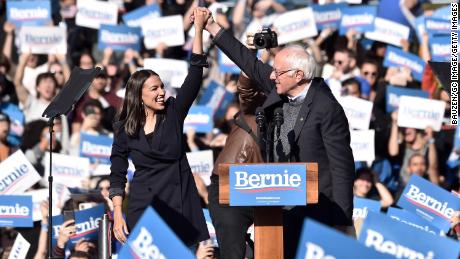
column 50, row 190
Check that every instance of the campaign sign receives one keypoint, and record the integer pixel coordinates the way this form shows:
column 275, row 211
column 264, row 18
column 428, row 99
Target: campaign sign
column 168, row 30
column 92, row 13
column 38, row 196
column 226, row 65
column 268, row 185
column 20, row 248
column 217, row 98
column 119, row 37
column 390, row 10
column 68, row 170
column 419, row 113
column 43, row 40
column 97, row 148
column 136, row 17
column 295, row 25
column 443, row 13
column 388, row 31
column 86, row 222
column 201, row 163
column 172, row 72
column 319, row 241
column 362, row 206
column 211, row 229
column 152, row 238
column 359, row 18
column 362, row 144
column 199, row 118
column 412, row 220
column 395, row 57
column 387, row 236
column 16, row 211
column 32, row 13
column 358, row 111
column 17, row 174
column 394, row 93
column 328, row 15
column 429, row 201
column 436, row 26
column 440, row 48
column 420, row 27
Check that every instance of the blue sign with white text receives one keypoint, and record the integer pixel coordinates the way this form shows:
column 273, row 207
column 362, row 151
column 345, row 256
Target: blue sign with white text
column 386, row 10
column 119, row 37
column 96, row 148
column 152, row 238
column 134, row 18
column 394, row 93
column 420, row 27
column 442, row 13
column 395, row 57
column 412, row 220
column 440, row 48
column 31, row 13
column 16, row 211
column 226, row 65
column 387, row 236
column 359, row 18
column 362, row 206
column 268, row 185
column 328, row 15
column 436, row 26
column 217, row 98
column 320, row 241
column 199, row 117
column 429, row 201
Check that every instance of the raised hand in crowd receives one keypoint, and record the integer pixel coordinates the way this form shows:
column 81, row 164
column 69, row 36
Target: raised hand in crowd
column 352, row 36
column 205, row 250
column 42, row 240
column 8, row 43
column 84, row 245
column 66, row 231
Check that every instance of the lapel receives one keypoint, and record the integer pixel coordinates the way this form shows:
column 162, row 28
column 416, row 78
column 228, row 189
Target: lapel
column 304, row 110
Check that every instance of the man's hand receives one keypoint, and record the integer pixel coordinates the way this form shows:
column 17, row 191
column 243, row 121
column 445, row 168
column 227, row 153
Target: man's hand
column 67, row 230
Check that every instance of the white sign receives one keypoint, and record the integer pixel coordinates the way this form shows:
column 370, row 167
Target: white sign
column 295, row 25
column 172, row 72
column 168, row 30
column 201, row 163
column 68, row 170
column 38, row 196
column 20, row 248
column 419, row 113
column 358, row 111
column 93, row 13
column 363, row 145
column 17, row 174
column 388, row 31
column 43, row 40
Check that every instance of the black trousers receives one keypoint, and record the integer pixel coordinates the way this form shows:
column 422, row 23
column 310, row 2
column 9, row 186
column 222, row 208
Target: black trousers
column 231, row 224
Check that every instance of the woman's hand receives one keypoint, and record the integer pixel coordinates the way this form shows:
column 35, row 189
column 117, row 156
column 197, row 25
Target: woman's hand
column 120, row 229
column 200, row 17
column 66, row 231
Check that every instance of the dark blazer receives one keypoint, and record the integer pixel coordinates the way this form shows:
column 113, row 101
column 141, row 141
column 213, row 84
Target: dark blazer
column 321, row 134
column 163, row 178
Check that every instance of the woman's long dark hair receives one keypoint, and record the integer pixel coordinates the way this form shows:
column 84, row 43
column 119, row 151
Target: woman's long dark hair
column 133, row 112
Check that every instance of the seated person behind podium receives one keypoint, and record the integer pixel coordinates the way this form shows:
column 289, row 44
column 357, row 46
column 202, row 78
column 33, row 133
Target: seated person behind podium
column 315, row 129
column 150, row 132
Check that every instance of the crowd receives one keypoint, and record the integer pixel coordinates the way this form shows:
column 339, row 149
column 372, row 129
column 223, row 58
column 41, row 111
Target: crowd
column 29, row 82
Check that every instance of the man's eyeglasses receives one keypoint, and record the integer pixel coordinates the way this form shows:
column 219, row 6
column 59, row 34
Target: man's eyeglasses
column 280, row 73
column 366, row 73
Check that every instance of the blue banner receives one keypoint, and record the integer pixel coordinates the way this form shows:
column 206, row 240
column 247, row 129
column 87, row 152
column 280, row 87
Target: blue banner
column 86, row 223
column 134, row 18
column 440, row 48
column 429, row 201
column 412, row 220
column 96, row 148
column 442, row 13
column 226, row 65
column 217, row 98
column 211, row 229
column 393, row 93
column 16, row 211
column 119, row 37
column 31, row 13
column 395, row 57
column 360, row 18
column 319, row 241
column 328, row 15
column 199, row 117
column 420, row 27
column 436, row 26
column 362, row 206
column 267, row 185
column 387, row 236
column 386, row 10
column 152, row 238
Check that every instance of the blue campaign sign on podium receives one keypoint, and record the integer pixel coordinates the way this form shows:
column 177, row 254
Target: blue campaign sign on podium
column 268, row 185
column 319, row 241
column 152, row 238
column 16, row 211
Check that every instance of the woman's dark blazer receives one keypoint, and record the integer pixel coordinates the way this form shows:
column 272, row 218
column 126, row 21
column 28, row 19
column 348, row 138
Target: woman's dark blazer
column 163, row 178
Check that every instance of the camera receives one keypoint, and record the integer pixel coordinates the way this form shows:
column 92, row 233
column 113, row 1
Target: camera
column 265, row 39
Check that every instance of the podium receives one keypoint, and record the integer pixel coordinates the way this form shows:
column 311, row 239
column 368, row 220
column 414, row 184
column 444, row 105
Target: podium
column 268, row 220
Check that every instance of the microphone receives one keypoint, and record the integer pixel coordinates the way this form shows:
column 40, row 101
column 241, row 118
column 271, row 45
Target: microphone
column 260, row 117
column 279, row 120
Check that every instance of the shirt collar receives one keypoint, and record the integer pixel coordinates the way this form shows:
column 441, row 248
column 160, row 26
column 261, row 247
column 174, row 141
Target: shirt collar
column 301, row 96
